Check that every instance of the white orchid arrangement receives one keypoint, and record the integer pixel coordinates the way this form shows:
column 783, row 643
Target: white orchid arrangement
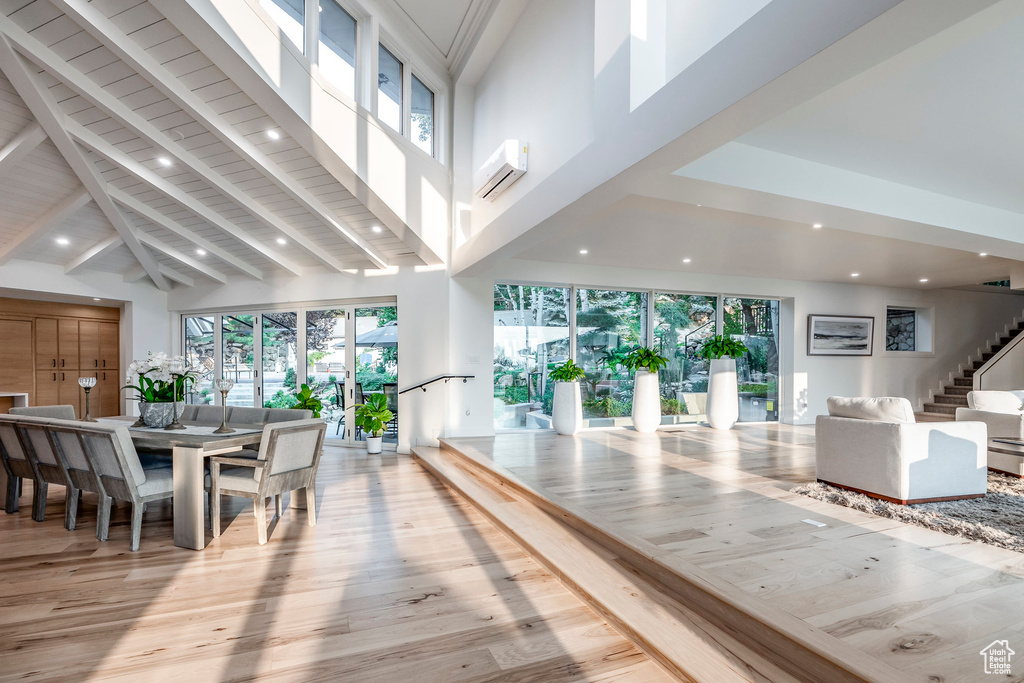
column 159, row 377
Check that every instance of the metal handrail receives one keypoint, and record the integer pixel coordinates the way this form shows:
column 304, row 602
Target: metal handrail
column 446, row 378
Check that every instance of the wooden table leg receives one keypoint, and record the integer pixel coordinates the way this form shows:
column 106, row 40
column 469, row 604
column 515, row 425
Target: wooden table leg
column 189, row 492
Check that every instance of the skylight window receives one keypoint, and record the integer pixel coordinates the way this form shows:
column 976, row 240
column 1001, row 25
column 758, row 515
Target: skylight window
column 289, row 17
column 389, row 89
column 337, row 55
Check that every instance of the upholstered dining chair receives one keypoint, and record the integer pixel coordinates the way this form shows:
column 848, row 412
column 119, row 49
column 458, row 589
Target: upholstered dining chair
column 49, row 465
column 115, row 462
column 69, row 449
column 288, row 459
column 18, row 466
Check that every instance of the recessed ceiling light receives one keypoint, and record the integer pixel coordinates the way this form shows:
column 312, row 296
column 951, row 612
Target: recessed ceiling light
column 924, row 279
column 377, row 228
column 583, row 251
column 686, row 260
column 816, row 225
column 700, row 205
column 273, row 135
column 96, row 298
column 281, row 240
column 982, row 254
column 854, row 274
column 163, row 161
column 63, row 241
column 201, row 252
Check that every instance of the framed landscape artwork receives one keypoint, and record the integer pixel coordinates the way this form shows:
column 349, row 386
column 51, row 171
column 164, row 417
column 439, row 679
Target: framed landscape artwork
column 839, row 335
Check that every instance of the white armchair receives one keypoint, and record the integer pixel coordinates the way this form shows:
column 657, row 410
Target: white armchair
column 875, row 447
column 1000, row 410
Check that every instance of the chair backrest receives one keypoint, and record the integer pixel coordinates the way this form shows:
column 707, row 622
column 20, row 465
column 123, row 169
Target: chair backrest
column 57, row 412
column 391, row 394
column 188, row 414
column 247, row 416
column 112, row 455
column 10, row 436
column 359, row 393
column 292, row 450
column 64, row 434
column 287, row 415
column 208, row 415
column 339, row 394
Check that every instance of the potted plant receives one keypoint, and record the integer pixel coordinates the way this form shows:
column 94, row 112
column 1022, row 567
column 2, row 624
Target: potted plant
column 567, row 406
column 371, row 417
column 305, row 400
column 723, row 397
column 160, row 380
column 645, row 363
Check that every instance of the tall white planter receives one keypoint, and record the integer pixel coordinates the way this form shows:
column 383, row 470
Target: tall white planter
column 646, row 402
column 567, row 408
column 723, row 396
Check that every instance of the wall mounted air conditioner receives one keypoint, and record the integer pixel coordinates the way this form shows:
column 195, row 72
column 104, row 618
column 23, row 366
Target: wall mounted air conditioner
column 506, row 165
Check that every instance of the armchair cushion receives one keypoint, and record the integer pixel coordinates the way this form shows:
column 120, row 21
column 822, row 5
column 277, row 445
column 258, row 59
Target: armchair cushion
column 996, row 401
column 884, row 409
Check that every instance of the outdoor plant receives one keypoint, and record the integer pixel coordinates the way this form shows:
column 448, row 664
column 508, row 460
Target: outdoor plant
column 307, row 401
column 567, row 372
column 372, row 415
column 643, row 358
column 721, row 346
column 154, row 381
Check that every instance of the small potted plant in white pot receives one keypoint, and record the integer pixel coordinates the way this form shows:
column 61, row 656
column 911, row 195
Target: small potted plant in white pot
column 567, row 407
column 723, row 396
column 371, row 416
column 645, row 363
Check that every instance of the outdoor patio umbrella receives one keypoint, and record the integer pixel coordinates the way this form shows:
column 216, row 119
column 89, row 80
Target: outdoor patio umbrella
column 384, row 336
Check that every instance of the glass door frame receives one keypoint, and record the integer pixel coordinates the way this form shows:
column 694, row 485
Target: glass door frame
column 300, row 309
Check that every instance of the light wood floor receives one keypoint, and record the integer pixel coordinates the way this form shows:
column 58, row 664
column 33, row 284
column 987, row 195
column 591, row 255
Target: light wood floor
column 923, row 602
column 398, row 582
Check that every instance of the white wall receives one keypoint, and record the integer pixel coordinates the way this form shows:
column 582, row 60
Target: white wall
column 422, row 295
column 145, row 321
column 964, row 321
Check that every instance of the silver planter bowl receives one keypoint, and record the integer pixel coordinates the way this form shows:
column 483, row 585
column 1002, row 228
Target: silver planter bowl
column 157, row 415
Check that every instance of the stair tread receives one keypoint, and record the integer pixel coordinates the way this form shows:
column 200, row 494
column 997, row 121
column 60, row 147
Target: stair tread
column 934, row 417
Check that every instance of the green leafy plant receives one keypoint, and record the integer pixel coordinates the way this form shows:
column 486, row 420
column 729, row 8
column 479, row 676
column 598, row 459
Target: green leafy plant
column 306, row 400
column 567, row 372
column 372, row 415
column 643, row 358
column 721, row 346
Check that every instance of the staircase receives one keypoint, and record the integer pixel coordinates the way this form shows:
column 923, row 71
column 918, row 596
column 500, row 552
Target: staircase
column 942, row 407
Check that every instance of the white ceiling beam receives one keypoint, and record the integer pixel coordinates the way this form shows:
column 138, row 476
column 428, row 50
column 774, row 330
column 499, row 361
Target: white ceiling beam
column 27, row 237
column 125, row 162
column 81, row 84
column 96, row 251
column 184, row 259
column 20, row 147
column 153, row 216
column 46, row 111
column 104, row 30
column 172, row 274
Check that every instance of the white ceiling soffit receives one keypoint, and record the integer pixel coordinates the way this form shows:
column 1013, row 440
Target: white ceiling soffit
column 125, row 149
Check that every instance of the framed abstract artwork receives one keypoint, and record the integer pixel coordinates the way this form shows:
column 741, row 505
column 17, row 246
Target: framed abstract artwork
column 840, row 335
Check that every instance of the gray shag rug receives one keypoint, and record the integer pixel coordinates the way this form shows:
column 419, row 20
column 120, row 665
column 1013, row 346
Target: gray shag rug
column 996, row 519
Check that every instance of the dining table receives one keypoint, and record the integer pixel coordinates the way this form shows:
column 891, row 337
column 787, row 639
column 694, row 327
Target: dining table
column 188, row 448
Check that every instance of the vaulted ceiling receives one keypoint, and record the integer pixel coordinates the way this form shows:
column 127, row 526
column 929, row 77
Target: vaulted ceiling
column 123, row 148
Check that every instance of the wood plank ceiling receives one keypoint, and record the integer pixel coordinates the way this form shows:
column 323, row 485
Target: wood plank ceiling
column 124, row 149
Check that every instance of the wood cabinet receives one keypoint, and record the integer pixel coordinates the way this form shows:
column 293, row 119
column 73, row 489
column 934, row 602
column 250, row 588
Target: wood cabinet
column 45, row 347
column 47, row 391
column 47, row 355
column 67, row 343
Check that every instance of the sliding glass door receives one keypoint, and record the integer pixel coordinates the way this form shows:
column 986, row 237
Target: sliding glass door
column 279, row 381
column 376, row 362
column 326, row 366
column 755, row 322
column 237, row 353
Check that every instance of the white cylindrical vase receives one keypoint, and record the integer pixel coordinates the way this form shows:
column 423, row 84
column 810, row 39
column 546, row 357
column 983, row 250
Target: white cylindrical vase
column 374, row 444
column 723, row 396
column 646, row 401
column 567, row 408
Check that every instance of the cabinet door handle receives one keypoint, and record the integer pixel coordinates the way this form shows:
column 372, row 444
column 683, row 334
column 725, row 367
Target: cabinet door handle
column 95, row 363
column 62, row 377
column 54, row 362
column 62, row 362
column 55, row 377
column 104, row 362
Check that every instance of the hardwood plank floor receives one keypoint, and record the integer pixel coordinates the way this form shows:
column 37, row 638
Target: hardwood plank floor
column 918, row 600
column 398, row 581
